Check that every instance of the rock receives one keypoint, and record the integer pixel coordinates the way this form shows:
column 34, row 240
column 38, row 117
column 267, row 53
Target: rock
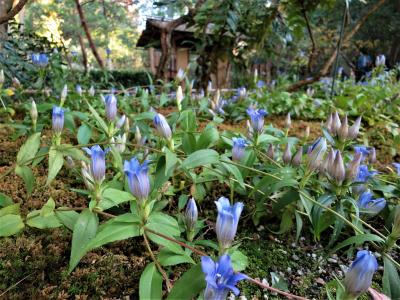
column 295, row 257
column 320, row 281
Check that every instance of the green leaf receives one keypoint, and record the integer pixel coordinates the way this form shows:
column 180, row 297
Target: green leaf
column 188, row 143
column 150, row 285
column 390, row 280
column 359, row 240
column 26, row 174
column 201, row 158
column 84, row 231
column 12, row 209
column 37, row 220
column 113, row 197
column 208, row 137
column 10, row 224
column 67, row 217
column 171, row 160
column 101, row 122
column 5, row 200
column 189, row 285
column 84, row 134
column 226, row 163
column 56, row 162
column 286, row 222
column 114, row 231
column 28, row 150
column 168, row 258
column 69, row 150
column 278, row 282
column 239, row 261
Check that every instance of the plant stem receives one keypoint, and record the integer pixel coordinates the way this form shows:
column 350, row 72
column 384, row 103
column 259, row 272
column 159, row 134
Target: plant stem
column 160, row 269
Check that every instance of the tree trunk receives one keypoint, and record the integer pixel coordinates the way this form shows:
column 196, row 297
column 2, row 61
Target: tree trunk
column 84, row 54
column 346, row 39
column 88, row 35
column 5, row 16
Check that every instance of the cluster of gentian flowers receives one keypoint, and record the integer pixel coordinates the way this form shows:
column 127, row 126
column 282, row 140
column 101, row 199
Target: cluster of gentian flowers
column 40, row 59
column 256, row 124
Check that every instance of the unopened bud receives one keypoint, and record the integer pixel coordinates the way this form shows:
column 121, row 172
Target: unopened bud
column 287, row 155
column 271, row 151
column 344, row 129
column 2, row 78
column 315, row 153
column 328, row 162
column 64, row 94
column 396, row 223
column 121, row 122
column 353, row 167
column 86, row 175
column 337, row 171
column 336, row 124
column 34, row 113
column 288, row 121
column 138, row 136
column 92, row 91
column 296, row 161
column 306, row 133
column 16, row 82
column 179, row 98
column 126, row 126
column 69, row 162
column 354, row 129
column 372, row 155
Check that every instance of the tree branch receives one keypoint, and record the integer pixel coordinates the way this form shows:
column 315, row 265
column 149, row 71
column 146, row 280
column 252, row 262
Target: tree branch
column 13, row 12
column 88, row 35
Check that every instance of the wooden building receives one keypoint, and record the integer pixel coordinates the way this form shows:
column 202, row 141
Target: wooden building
column 182, row 52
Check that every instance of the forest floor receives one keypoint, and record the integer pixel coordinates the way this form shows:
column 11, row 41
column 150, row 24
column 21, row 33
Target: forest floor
column 33, row 264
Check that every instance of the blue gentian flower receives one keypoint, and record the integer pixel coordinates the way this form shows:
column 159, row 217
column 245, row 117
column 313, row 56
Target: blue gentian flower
column 315, row 153
column 363, row 150
column 40, row 59
column 138, row 178
column 227, row 221
column 238, row 149
column 364, row 174
column 260, row 84
column 257, row 119
column 74, row 53
column 111, row 107
column 220, row 278
column 359, row 277
column 108, row 51
column 397, row 166
column 191, row 214
column 98, row 162
column 79, row 89
column 162, row 126
column 57, row 119
column 373, row 206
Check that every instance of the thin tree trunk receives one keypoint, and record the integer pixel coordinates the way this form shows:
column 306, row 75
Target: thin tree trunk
column 10, row 12
column 84, row 54
column 88, row 35
column 346, row 39
column 313, row 44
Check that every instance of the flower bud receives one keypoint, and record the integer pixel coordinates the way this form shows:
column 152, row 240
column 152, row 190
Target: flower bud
column 57, row 119
column 2, row 78
column 315, row 153
column 120, row 143
column 296, row 161
column 227, row 221
column 287, row 155
column 191, row 215
column 79, row 90
column 328, row 162
column 34, row 112
column 238, row 149
column 138, row 136
column 344, row 129
column 127, row 126
column 209, row 88
column 359, row 276
column 179, row 98
column 64, row 93
column 354, row 129
column 92, row 91
column 162, row 126
column 353, row 167
column 306, row 133
column 337, row 170
column 310, row 92
column 180, row 75
column 87, row 177
column 372, row 155
column 69, row 162
column 121, row 122
column 288, row 121
column 271, row 151
column 138, row 178
column 98, row 162
column 111, row 107
column 16, row 82
column 336, row 124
